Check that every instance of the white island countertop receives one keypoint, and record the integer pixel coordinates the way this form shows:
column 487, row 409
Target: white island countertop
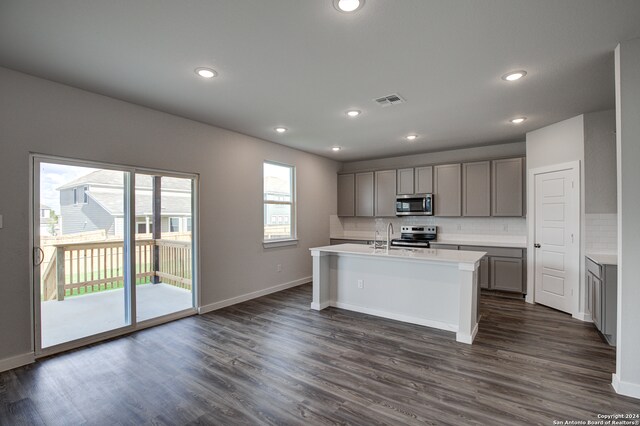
column 403, row 253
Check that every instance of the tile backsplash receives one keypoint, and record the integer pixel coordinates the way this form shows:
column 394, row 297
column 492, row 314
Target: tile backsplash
column 508, row 227
column 601, row 233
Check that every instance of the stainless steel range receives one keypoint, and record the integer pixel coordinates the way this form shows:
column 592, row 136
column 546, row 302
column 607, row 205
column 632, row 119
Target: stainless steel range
column 416, row 236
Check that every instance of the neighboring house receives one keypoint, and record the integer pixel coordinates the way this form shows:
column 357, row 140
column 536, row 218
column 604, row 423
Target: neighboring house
column 96, row 202
column 49, row 226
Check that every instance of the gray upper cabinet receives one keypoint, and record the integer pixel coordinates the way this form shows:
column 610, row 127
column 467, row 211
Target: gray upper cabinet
column 423, row 180
column 364, row 194
column 476, row 189
column 385, row 198
column 446, row 183
column 507, row 187
column 405, row 182
column 346, row 195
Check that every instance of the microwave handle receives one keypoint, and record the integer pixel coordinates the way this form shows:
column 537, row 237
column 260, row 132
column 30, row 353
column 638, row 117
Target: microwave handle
column 424, row 204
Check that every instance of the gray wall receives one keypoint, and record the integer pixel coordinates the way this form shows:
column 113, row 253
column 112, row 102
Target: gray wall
column 627, row 58
column 558, row 143
column 441, row 157
column 600, row 162
column 44, row 117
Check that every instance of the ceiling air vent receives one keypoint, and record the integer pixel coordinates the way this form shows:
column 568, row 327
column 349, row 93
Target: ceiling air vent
column 389, row 100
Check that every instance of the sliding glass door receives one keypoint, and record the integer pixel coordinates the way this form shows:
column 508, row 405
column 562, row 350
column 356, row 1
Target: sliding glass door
column 113, row 248
column 164, row 245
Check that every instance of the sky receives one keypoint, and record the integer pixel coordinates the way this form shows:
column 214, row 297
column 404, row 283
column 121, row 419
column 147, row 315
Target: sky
column 53, row 176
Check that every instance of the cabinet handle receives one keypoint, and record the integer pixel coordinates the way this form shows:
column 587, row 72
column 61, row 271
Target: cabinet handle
column 536, row 245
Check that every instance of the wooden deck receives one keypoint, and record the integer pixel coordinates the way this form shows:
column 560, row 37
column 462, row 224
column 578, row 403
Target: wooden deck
column 274, row 361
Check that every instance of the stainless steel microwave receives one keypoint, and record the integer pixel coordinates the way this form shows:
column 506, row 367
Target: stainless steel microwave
column 414, row 205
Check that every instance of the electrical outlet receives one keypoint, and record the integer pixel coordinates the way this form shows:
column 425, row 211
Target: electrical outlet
column 360, row 283
column 279, row 267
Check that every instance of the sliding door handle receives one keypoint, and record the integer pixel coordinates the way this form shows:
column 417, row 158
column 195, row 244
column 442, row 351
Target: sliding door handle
column 536, row 245
column 39, row 256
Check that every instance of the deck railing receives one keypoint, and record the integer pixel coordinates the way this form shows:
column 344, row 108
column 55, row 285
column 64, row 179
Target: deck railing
column 87, row 267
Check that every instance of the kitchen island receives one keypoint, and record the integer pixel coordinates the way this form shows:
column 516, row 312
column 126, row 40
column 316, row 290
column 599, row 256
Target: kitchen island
column 430, row 287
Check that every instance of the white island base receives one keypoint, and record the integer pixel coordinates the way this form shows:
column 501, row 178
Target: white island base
column 430, row 287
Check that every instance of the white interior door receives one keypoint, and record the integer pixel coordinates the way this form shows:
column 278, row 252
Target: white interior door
column 555, row 239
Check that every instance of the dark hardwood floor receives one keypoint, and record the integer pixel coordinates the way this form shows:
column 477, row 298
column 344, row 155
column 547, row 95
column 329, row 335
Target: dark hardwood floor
column 274, row 361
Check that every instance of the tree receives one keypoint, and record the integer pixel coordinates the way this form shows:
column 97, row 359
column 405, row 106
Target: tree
column 53, row 222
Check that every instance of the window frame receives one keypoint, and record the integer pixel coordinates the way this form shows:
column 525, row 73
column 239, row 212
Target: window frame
column 292, row 239
column 178, row 219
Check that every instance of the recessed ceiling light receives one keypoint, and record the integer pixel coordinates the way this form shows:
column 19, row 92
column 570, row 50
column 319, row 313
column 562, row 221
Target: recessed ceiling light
column 514, row 75
column 411, row 137
column 280, row 129
column 518, row 120
column 353, row 113
column 336, row 148
column 206, row 72
column 348, row 5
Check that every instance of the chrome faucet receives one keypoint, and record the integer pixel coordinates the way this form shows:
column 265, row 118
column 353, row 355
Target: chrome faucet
column 389, row 232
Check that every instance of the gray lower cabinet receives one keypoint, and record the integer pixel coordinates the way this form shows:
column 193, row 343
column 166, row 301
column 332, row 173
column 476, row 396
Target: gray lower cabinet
column 506, row 274
column 501, row 268
column 447, row 190
column 405, row 182
column 364, row 194
column 423, row 177
column 346, row 195
column 602, row 297
column 336, row 241
column 476, row 189
column 507, row 187
column 483, row 272
column 444, row 246
column 385, row 193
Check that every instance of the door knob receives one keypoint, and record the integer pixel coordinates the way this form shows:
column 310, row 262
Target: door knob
column 536, row 245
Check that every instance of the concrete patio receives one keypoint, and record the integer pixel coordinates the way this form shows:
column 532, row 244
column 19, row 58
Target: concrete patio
column 86, row 315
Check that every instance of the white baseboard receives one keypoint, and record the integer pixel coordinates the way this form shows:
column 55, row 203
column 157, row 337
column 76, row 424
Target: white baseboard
column 16, row 361
column 467, row 338
column 625, row 388
column 320, row 306
column 398, row 317
column 583, row 316
column 253, row 295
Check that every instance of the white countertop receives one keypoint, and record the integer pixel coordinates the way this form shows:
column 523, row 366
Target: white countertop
column 463, row 241
column 603, row 258
column 436, row 255
column 483, row 243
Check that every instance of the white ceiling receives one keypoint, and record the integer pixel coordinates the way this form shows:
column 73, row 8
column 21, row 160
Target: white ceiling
column 301, row 64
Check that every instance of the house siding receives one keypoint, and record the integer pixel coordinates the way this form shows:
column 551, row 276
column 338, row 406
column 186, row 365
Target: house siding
column 83, row 217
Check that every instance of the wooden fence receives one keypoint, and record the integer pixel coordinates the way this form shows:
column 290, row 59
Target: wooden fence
column 86, row 267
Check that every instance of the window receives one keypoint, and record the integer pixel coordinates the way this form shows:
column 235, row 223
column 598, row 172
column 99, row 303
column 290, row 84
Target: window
column 80, row 193
column 174, row 224
column 279, row 202
column 188, row 224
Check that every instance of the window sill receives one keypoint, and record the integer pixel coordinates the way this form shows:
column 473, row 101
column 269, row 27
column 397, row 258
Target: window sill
column 280, row 243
